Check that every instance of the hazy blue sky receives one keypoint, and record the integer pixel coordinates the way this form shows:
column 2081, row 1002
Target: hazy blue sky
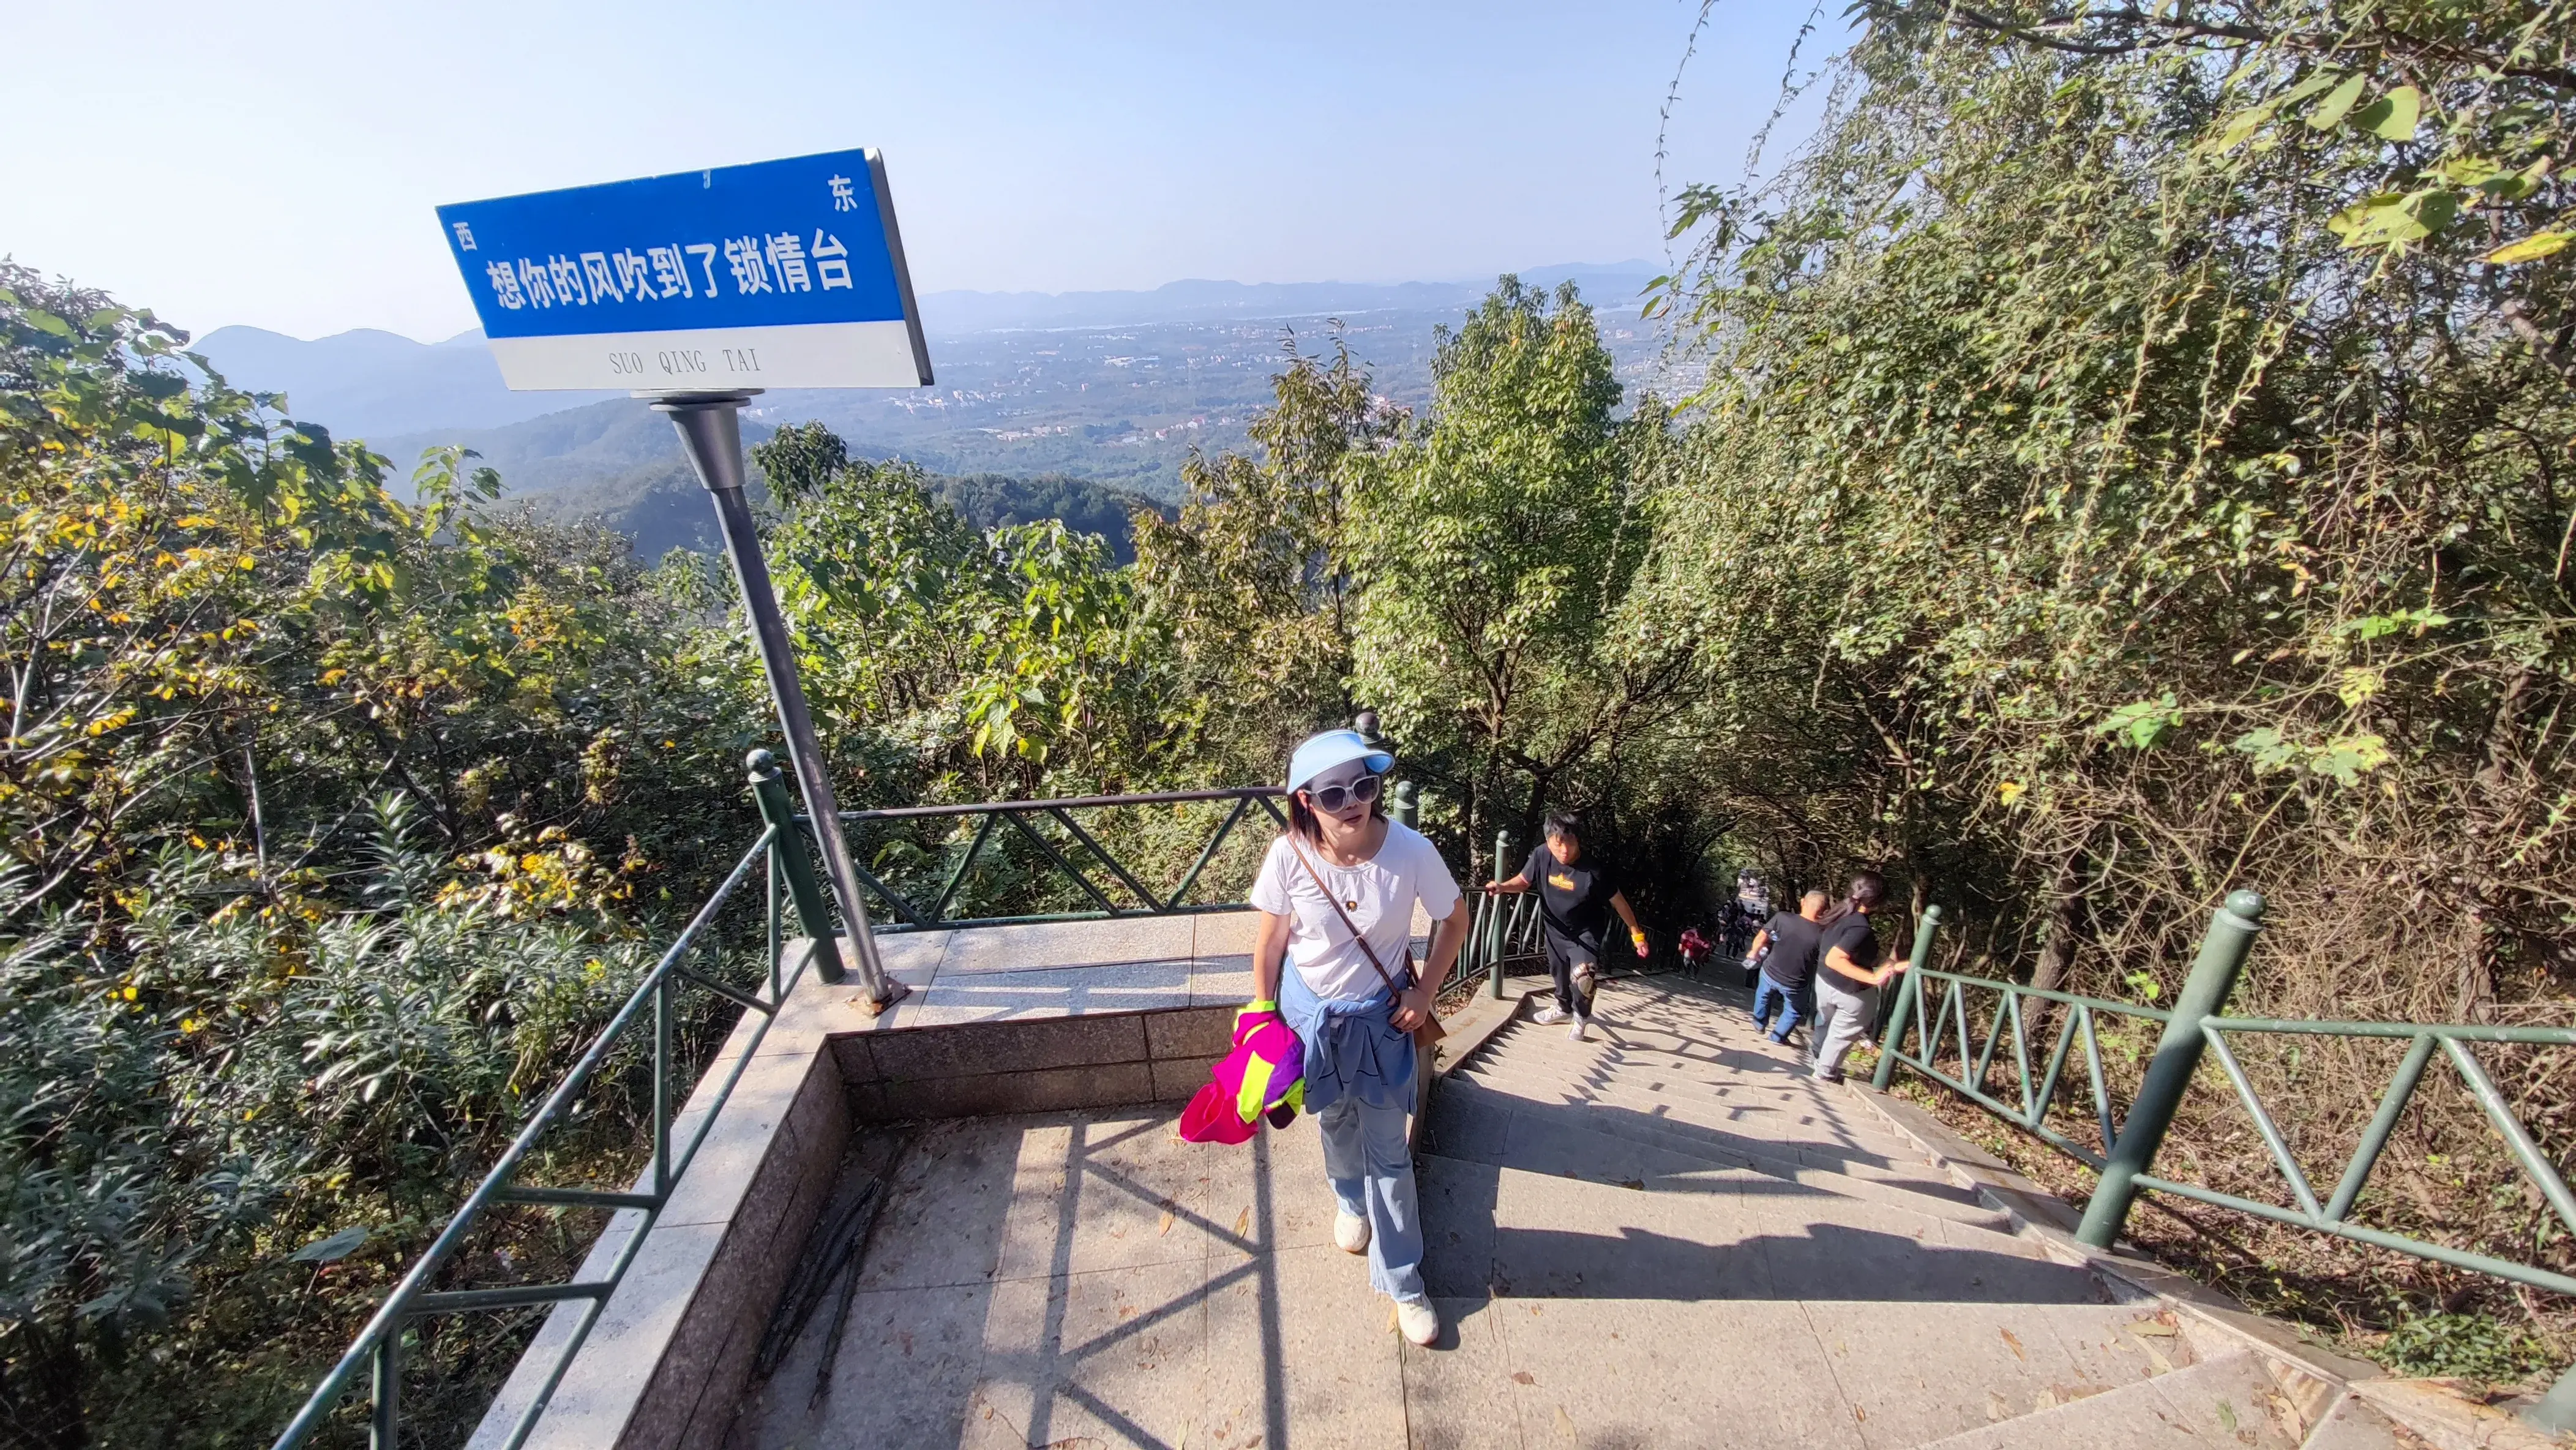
column 276, row 164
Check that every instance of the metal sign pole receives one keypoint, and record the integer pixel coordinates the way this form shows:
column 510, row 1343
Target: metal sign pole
column 710, row 427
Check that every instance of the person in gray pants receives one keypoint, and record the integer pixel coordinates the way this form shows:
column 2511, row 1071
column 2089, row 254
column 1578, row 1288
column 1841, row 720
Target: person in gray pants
column 1850, row 968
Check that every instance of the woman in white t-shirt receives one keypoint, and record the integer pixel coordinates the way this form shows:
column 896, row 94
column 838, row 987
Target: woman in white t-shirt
column 1356, row 1026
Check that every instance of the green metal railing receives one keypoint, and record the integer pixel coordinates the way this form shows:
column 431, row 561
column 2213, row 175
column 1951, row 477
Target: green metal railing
column 1022, row 817
column 1506, row 936
column 377, row 1353
column 2191, row 1030
column 1504, row 932
column 378, row 1349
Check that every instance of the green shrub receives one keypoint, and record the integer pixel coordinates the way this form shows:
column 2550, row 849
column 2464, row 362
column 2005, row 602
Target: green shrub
column 2466, row 1346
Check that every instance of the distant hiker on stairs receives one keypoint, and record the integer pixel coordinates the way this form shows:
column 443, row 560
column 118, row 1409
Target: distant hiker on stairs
column 1789, row 971
column 1849, row 974
column 1577, row 892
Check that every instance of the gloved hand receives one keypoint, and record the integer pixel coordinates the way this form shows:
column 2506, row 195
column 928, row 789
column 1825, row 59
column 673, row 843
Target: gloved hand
column 1267, row 1064
column 1251, row 1017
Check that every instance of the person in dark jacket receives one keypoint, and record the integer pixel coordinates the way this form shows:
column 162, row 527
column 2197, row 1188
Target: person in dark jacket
column 1788, row 967
column 1849, row 972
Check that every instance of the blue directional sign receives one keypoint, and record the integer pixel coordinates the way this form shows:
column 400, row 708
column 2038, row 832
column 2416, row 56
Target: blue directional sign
column 783, row 274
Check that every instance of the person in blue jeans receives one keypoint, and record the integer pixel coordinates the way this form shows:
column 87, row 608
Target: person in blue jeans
column 1337, row 893
column 1789, row 970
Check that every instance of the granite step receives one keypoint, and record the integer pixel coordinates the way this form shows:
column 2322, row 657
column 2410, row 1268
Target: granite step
column 1474, row 1120
column 1836, row 1133
column 2229, row 1400
column 1658, row 1237
column 1640, row 1317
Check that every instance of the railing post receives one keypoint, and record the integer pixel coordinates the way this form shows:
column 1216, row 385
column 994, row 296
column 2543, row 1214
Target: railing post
column 2555, row 1411
column 665, row 1064
column 774, row 943
column 384, row 1424
column 1894, row 1032
column 1494, row 922
column 1404, row 802
column 788, row 850
column 1475, row 946
column 2204, row 993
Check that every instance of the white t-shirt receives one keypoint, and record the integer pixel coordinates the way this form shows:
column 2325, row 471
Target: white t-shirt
column 1379, row 895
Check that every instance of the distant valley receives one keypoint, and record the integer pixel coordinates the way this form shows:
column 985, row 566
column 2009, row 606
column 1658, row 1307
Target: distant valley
column 1080, row 404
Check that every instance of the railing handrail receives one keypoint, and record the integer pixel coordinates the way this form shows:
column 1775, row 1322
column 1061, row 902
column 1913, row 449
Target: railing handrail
column 911, row 915
column 2309, row 1026
column 2194, row 1025
column 2023, row 989
column 378, row 1346
column 381, row 1336
column 1063, row 803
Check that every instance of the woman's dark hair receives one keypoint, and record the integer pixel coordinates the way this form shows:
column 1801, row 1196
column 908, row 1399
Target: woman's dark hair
column 1563, row 823
column 1303, row 822
column 1868, row 888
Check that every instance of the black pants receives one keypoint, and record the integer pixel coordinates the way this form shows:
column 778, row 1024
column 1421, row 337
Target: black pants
column 1563, row 955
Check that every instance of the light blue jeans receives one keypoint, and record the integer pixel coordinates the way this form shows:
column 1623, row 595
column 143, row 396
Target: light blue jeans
column 1372, row 1174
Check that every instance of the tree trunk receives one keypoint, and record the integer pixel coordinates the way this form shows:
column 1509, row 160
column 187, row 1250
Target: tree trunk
column 2065, row 903
column 2474, row 991
column 40, row 1389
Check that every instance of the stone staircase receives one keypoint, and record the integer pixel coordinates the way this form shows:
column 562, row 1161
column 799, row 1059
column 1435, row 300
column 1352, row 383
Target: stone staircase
column 1687, row 1241
column 1664, row 1236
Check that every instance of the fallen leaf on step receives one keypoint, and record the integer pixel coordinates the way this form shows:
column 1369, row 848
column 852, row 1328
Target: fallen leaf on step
column 2047, row 1401
column 1997, row 1407
column 1390, row 1319
column 1564, row 1423
column 2156, row 1358
column 1167, row 1224
column 2153, row 1326
column 1523, row 1377
column 2015, row 1345
column 1243, row 1222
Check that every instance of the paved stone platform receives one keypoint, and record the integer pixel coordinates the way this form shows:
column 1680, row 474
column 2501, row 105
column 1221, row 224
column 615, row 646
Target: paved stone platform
column 1665, row 1236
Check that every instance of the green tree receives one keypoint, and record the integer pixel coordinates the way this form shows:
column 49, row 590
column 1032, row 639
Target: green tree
column 1494, row 547
column 328, row 816
column 2133, row 466
column 1253, row 577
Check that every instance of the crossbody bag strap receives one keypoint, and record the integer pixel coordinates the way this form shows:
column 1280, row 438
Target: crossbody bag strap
column 1352, row 927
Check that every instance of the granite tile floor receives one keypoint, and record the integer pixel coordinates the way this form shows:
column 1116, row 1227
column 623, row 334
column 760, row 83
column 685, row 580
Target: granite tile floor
column 1665, row 1236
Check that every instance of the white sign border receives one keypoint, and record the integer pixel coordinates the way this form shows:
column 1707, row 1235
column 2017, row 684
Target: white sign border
column 717, row 359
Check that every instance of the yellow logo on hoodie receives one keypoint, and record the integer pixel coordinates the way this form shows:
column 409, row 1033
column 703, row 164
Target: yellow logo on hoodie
column 1561, row 881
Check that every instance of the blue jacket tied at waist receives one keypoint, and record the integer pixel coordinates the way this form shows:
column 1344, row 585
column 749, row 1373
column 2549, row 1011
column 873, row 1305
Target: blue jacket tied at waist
column 1352, row 1045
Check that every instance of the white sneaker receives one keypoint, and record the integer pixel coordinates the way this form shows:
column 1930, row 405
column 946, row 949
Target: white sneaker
column 1579, row 1034
column 1350, row 1232
column 1418, row 1321
column 1549, row 1016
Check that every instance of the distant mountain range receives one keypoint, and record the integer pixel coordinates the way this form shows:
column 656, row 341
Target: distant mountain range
column 1076, row 405
column 368, row 384
column 1611, row 287
column 364, row 383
